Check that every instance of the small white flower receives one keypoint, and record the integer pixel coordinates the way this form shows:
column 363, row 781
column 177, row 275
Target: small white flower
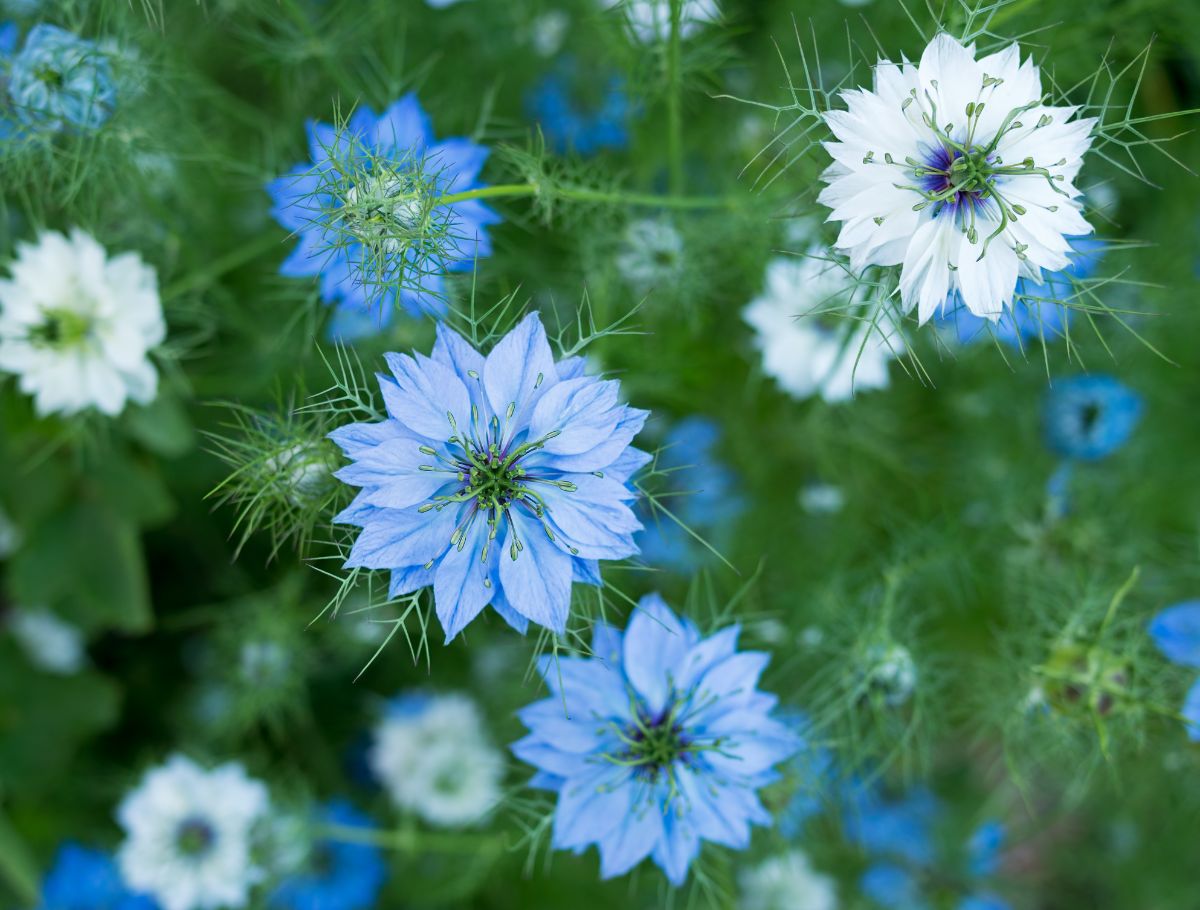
column 651, row 254
column 954, row 170
column 51, row 644
column 799, row 349
column 548, row 32
column 822, row 499
column 432, row 756
column 76, row 326
column 786, row 882
column 891, row 672
column 189, row 835
column 650, row 20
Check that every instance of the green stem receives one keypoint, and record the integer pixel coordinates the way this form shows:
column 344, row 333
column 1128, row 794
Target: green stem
column 410, row 840
column 17, row 866
column 221, row 265
column 586, row 194
column 674, row 102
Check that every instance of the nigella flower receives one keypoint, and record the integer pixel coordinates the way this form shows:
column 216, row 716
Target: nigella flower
column 699, row 491
column 367, row 214
column 189, row 835
column 59, row 79
column 498, row 480
column 650, row 20
column 433, row 756
column 85, row 879
column 1087, row 418
column 956, row 171
column 651, row 254
column 809, row 343
column 582, row 115
column 656, row 743
column 1038, row 310
column 77, row 326
column 907, row 870
column 786, row 882
column 1176, row 631
column 336, row 874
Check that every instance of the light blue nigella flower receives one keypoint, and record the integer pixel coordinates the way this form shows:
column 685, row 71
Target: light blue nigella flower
column 83, row 879
column 1037, row 310
column 898, row 838
column 1089, row 417
column 656, row 743
column 571, row 121
column 1176, row 631
column 339, row 874
column 709, row 504
column 497, row 480
column 368, row 187
column 59, row 79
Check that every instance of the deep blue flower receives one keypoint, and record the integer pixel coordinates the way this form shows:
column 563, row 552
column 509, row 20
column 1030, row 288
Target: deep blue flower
column 1090, row 417
column 348, row 232
column 497, row 480
column 658, row 742
column 709, row 504
column 1176, row 631
column 339, row 874
column 898, row 838
column 83, row 879
column 59, row 79
column 1037, row 310
column 574, row 121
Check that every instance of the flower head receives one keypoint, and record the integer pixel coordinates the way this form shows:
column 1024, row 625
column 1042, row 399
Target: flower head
column 432, row 754
column 1176, row 632
column 659, row 741
column 581, row 115
column 368, row 215
column 651, row 254
column 59, row 79
column 786, row 882
column 77, row 326
column 650, row 20
column 1089, row 417
column 84, row 879
column 805, row 354
column 497, row 480
column 336, row 874
column 955, row 170
column 189, row 835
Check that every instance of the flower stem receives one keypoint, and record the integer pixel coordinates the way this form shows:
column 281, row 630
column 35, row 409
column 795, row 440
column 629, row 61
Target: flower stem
column 674, row 102
column 587, row 194
column 411, row 840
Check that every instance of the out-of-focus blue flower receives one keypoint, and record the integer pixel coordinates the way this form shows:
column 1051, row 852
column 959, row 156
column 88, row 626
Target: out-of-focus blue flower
column 707, row 502
column 83, row 879
column 59, row 79
column 339, row 874
column 1037, row 309
column 1089, row 417
column 898, row 838
column 658, row 742
column 9, row 33
column 1176, row 631
column 581, row 114
column 497, row 480
column 349, row 234
column 813, row 770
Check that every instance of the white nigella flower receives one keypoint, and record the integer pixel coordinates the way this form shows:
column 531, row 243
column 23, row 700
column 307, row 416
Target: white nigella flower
column 808, row 345
column 432, row 756
column 651, row 254
column 650, row 20
column 190, row 833
column 51, row 644
column 822, row 499
column 786, row 882
column 956, row 171
column 77, row 326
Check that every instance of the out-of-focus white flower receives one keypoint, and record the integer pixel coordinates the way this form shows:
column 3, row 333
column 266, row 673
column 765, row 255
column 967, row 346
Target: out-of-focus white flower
column 52, row 644
column 190, row 835
column 650, row 20
column 432, row 755
column 651, row 254
column 548, row 32
column 801, row 349
column 890, row 671
column 786, row 882
column 822, row 499
column 77, row 327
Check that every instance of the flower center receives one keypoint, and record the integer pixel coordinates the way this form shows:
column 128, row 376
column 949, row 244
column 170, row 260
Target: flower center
column 195, row 837
column 62, row 328
column 953, row 179
column 386, row 208
column 653, row 745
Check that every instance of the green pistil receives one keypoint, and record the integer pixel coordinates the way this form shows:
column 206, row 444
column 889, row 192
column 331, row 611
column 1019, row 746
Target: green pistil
column 62, row 329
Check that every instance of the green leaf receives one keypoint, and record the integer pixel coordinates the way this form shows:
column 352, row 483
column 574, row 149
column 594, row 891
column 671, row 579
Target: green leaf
column 162, row 426
column 17, row 867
